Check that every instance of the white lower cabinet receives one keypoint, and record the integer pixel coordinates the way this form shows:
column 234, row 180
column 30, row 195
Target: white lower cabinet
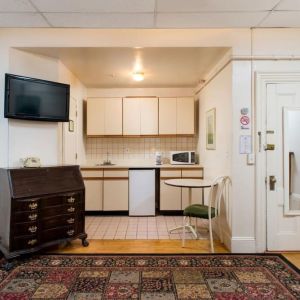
column 115, row 194
column 176, row 198
column 170, row 197
column 196, row 197
column 93, row 194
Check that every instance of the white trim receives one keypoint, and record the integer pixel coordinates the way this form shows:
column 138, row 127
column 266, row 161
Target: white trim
column 241, row 244
column 261, row 82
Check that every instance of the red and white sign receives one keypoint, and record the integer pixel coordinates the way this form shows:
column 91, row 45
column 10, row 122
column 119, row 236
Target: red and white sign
column 245, row 120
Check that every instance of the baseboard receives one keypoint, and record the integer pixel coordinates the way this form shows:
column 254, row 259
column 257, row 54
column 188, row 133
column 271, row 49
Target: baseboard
column 241, row 244
column 227, row 240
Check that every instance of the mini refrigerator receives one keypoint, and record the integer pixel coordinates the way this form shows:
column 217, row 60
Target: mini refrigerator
column 142, row 192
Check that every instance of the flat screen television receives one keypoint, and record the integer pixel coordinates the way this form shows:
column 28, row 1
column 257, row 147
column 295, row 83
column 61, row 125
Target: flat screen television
column 36, row 99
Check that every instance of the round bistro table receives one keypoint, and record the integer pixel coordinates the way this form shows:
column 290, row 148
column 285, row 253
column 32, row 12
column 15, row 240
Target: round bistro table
column 190, row 184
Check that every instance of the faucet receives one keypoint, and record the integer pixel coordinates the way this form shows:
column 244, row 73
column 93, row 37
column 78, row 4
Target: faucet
column 107, row 161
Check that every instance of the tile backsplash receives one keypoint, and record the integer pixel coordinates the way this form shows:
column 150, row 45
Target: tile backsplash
column 136, row 148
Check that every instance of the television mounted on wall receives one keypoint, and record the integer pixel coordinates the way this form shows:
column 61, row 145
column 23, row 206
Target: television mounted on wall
column 35, row 99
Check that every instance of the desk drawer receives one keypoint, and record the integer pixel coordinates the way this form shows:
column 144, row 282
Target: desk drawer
column 63, row 220
column 59, row 233
column 71, row 198
column 24, row 242
column 55, row 211
column 28, row 228
column 31, row 204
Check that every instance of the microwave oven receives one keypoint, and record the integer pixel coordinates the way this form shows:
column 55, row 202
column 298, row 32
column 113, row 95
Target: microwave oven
column 182, row 157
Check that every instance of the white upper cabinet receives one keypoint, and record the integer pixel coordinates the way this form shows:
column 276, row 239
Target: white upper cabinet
column 185, row 120
column 167, row 116
column 104, row 116
column 176, row 116
column 113, row 116
column 131, row 116
column 95, row 117
column 140, row 116
column 149, row 116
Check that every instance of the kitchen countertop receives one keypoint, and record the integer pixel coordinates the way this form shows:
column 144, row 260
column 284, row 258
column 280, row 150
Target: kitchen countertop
column 139, row 165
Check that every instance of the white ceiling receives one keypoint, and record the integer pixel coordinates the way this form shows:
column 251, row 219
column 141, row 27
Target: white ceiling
column 113, row 67
column 150, row 13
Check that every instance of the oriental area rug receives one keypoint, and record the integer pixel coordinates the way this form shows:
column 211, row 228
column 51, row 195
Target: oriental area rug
column 152, row 277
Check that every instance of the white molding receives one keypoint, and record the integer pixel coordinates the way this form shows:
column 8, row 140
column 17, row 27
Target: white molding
column 241, row 244
column 262, row 79
column 227, row 239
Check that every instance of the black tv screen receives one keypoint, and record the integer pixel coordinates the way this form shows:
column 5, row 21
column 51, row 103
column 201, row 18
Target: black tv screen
column 36, row 99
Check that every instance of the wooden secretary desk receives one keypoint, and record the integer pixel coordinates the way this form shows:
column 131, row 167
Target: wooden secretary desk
column 40, row 207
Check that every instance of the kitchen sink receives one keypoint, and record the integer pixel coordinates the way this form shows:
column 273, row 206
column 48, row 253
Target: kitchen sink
column 105, row 164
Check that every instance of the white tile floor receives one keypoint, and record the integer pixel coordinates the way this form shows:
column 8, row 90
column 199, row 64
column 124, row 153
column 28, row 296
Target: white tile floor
column 137, row 228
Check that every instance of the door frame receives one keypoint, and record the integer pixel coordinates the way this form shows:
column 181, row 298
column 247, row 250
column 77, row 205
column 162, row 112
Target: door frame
column 262, row 79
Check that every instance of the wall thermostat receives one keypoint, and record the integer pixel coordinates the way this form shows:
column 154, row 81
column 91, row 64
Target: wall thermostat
column 245, row 111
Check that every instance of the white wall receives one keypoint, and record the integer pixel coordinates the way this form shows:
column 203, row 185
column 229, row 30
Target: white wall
column 244, row 43
column 217, row 94
column 77, row 91
column 33, row 138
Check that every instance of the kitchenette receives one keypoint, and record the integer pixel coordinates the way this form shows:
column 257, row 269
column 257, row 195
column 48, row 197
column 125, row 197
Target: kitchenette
column 133, row 145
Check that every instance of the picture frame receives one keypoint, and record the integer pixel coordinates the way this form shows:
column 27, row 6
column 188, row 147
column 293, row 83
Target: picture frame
column 71, row 126
column 211, row 129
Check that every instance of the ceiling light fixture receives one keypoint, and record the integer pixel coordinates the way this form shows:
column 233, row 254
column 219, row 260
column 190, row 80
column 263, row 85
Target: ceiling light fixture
column 138, row 76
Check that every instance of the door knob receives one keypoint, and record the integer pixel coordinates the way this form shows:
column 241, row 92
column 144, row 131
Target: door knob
column 272, row 181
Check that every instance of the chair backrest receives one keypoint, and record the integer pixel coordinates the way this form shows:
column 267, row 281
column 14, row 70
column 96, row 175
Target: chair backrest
column 219, row 188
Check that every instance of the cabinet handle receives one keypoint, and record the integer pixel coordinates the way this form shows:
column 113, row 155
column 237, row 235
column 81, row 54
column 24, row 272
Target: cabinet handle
column 71, row 220
column 71, row 209
column 32, row 242
column 32, row 229
column 70, row 232
column 33, row 205
column 71, row 200
column 32, row 217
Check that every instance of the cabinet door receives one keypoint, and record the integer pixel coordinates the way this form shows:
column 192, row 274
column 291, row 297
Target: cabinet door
column 115, row 195
column 95, row 116
column 167, row 115
column 196, row 197
column 93, row 194
column 113, row 116
column 185, row 116
column 131, row 116
column 149, row 116
column 170, row 197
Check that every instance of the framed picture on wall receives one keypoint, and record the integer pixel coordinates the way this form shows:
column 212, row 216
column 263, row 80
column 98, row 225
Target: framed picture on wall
column 211, row 129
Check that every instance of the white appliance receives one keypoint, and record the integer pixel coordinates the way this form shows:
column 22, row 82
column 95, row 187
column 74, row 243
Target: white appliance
column 182, row 157
column 142, row 192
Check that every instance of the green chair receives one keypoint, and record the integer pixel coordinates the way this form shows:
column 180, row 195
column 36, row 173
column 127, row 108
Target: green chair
column 219, row 190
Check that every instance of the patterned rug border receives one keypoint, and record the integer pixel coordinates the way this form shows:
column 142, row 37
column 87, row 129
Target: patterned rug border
column 294, row 267
column 277, row 279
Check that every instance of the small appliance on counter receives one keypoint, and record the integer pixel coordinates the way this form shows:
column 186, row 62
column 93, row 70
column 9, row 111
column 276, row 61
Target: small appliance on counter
column 158, row 158
column 182, row 158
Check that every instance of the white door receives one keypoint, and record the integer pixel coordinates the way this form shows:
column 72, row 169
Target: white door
column 70, row 135
column 283, row 166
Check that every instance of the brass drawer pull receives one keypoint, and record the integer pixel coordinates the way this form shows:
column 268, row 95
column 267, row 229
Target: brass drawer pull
column 71, row 220
column 32, row 217
column 32, row 242
column 70, row 232
column 33, row 205
column 32, row 229
column 71, row 200
column 71, row 209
